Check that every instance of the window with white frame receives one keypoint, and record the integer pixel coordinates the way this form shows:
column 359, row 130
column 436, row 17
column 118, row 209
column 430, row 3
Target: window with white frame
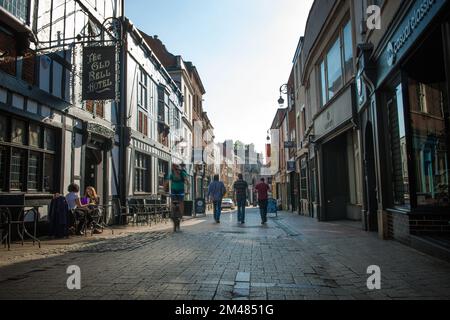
column 336, row 68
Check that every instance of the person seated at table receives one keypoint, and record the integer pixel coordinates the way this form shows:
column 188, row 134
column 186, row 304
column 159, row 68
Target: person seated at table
column 92, row 200
column 74, row 203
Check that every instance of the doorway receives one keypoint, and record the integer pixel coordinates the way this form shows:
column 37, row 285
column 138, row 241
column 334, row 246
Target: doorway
column 336, row 179
column 93, row 159
column 370, row 179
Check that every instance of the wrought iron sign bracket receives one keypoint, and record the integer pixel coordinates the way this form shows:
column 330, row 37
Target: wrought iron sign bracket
column 111, row 27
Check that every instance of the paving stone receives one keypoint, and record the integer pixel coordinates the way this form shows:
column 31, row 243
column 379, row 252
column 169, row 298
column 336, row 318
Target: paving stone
column 328, row 261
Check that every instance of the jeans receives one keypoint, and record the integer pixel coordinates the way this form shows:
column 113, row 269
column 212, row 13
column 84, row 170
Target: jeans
column 263, row 209
column 217, row 210
column 241, row 209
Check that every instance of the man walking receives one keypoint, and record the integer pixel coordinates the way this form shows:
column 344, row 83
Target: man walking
column 240, row 195
column 262, row 189
column 216, row 192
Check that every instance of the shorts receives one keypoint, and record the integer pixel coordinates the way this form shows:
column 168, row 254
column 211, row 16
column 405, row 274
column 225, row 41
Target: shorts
column 177, row 195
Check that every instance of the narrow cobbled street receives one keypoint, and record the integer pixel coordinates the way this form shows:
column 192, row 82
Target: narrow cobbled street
column 291, row 257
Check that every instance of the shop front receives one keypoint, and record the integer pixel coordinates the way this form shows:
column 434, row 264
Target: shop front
column 337, row 150
column 406, row 126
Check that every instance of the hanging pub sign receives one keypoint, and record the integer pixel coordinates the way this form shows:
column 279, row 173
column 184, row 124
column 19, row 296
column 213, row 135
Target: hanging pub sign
column 99, row 73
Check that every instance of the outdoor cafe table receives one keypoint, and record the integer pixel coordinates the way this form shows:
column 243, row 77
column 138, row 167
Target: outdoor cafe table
column 20, row 220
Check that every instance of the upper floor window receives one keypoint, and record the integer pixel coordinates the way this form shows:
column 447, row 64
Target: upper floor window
column 337, row 66
column 97, row 108
column 55, row 72
column 143, row 90
column 19, row 8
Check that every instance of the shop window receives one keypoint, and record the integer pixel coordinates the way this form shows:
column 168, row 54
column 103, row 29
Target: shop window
column 163, row 171
column 397, row 130
column 17, row 169
column 50, row 139
column 35, row 135
column 303, row 180
column 18, row 134
column 33, row 171
column 3, row 129
column 429, row 128
column 312, row 165
column 29, row 160
column 142, row 173
column 49, row 173
column 3, row 156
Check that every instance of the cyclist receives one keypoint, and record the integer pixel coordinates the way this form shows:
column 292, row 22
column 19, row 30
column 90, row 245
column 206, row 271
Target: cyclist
column 177, row 180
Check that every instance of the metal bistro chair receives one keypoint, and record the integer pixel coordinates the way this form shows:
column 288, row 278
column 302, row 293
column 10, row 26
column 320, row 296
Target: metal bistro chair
column 5, row 227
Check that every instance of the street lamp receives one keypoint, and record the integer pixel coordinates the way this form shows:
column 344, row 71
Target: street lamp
column 283, row 90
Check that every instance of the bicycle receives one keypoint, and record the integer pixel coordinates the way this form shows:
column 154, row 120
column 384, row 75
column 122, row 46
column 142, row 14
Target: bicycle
column 176, row 214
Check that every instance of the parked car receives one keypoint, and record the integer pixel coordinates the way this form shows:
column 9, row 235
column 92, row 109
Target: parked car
column 228, row 203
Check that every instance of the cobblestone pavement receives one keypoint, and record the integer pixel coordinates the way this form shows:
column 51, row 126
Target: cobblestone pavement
column 291, row 258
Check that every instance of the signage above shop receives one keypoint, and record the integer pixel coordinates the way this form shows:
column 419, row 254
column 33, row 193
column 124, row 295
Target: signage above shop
column 290, row 145
column 336, row 114
column 409, row 29
column 99, row 73
column 412, row 22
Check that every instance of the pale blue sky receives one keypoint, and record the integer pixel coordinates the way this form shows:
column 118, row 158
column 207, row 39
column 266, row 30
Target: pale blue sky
column 243, row 50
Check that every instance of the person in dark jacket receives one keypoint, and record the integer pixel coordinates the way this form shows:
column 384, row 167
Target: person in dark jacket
column 216, row 192
column 240, row 195
column 59, row 217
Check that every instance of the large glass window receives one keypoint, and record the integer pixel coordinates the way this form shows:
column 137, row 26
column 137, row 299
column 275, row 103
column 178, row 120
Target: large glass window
column 3, row 156
column 3, row 129
column 334, row 65
column 429, row 115
column 303, row 180
column 348, row 51
column 35, row 135
column 400, row 177
column 49, row 173
column 28, row 163
column 19, row 8
column 18, row 134
column 142, row 173
column 17, row 176
column 34, row 167
column 323, row 85
column 336, row 68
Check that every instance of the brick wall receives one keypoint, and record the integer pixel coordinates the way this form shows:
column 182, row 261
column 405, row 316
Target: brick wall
column 399, row 227
column 430, row 224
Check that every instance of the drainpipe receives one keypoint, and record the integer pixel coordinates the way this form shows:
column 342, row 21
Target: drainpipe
column 123, row 136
